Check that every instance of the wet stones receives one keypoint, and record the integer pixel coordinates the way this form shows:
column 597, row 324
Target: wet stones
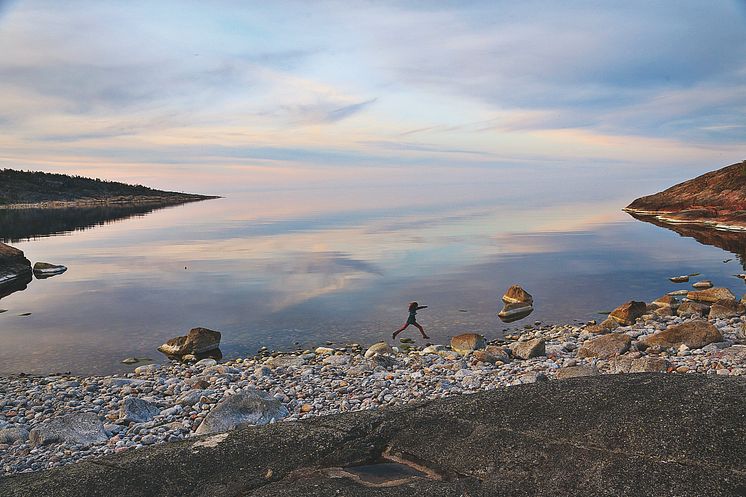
column 606, row 346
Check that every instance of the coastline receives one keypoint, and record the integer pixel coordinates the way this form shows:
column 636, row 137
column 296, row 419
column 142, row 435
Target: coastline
column 165, row 200
column 176, row 398
column 669, row 217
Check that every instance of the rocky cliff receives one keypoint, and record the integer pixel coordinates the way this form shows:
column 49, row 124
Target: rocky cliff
column 717, row 199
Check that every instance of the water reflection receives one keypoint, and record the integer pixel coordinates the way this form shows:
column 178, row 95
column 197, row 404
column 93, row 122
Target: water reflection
column 730, row 241
column 16, row 285
column 296, row 269
column 22, row 224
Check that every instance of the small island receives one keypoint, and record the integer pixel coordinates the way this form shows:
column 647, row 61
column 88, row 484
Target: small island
column 33, row 189
column 716, row 199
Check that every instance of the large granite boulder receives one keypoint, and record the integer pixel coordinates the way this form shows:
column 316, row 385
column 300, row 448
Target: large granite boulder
column 518, row 304
column 528, row 348
column 467, row 342
column 606, row 346
column 694, row 334
column 13, row 264
column 249, row 407
column 711, row 295
column 516, row 294
column 80, row 428
column 197, row 341
column 627, row 314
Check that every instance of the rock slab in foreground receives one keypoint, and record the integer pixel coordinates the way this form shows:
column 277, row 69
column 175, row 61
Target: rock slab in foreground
column 598, row 436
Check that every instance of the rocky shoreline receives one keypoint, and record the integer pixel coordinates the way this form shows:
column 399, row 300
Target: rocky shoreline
column 52, row 421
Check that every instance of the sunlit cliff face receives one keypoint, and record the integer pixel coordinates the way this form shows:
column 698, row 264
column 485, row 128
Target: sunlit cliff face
column 225, row 97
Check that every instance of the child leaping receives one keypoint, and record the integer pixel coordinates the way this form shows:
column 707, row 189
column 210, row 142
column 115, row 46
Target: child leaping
column 412, row 319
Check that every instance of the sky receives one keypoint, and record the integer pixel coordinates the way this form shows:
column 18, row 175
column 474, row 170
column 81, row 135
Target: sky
column 218, row 96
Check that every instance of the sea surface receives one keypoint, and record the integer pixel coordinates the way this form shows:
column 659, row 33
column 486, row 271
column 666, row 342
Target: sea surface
column 296, row 268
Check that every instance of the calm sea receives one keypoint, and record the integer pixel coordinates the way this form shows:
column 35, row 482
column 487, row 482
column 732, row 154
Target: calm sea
column 296, row 268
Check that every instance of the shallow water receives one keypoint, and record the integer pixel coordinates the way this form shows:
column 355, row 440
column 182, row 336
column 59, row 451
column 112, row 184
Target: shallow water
column 293, row 268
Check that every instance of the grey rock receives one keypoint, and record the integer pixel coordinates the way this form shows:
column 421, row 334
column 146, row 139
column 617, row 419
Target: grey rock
column 12, row 435
column 81, row 428
column 135, row 410
column 249, row 407
column 576, row 372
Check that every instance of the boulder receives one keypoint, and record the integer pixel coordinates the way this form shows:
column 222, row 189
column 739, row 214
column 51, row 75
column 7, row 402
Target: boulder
column 514, row 311
column 516, row 294
column 666, row 300
column 726, row 309
column 135, row 410
column 80, row 428
column 528, row 349
column 704, row 284
column 378, row 348
column 694, row 334
column 648, row 364
column 12, row 435
column 492, row 354
column 46, row 269
column 324, row 351
column 383, row 360
column 576, row 372
column 249, row 407
column 605, row 326
column 679, row 279
column 627, row 314
column 197, row 341
column 711, row 295
column 690, row 308
column 606, row 346
column 467, row 342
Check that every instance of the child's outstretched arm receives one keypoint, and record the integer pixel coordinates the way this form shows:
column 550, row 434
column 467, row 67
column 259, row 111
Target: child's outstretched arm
column 421, row 307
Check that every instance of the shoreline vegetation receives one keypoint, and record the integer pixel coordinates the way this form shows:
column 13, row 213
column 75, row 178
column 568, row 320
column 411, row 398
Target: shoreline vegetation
column 715, row 200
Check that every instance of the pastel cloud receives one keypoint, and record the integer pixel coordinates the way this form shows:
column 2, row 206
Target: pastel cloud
column 282, row 86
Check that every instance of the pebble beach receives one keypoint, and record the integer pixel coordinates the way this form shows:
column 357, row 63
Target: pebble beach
column 51, row 421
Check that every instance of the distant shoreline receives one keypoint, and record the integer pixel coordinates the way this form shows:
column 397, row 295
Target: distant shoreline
column 178, row 198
